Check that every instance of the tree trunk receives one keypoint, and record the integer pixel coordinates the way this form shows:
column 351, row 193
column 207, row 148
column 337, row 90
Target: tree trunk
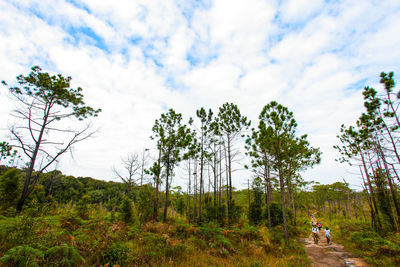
column 374, row 222
column 392, row 190
column 230, row 179
column 155, row 207
column 267, row 191
column 189, row 192
column 201, row 175
column 215, row 177
column 26, row 190
column 227, row 181
column 195, row 191
column 371, row 190
column 282, row 187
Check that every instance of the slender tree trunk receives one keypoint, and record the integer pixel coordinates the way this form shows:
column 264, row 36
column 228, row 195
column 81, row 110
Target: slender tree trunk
column 166, row 190
column 396, row 204
column 26, row 190
column 248, row 192
column 348, row 204
column 395, row 172
column 294, row 208
column 189, row 192
column 282, row 187
column 370, row 189
column 215, row 177
column 374, row 222
column 230, row 179
column 227, row 181
column 201, row 175
column 267, row 190
column 195, row 191
column 220, row 183
column 155, row 207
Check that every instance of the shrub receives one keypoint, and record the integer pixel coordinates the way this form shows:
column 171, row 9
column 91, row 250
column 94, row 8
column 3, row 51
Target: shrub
column 126, row 210
column 153, row 247
column 70, row 221
column 9, row 188
column 82, row 207
column 63, row 255
column 236, row 211
column 145, row 202
column 255, row 209
column 210, row 230
column 23, row 256
column 210, row 213
column 255, row 213
column 276, row 214
column 20, row 231
column 367, row 240
column 117, row 253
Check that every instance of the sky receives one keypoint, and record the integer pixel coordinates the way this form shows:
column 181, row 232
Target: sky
column 136, row 59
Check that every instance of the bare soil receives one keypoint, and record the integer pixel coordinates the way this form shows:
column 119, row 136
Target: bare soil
column 322, row 254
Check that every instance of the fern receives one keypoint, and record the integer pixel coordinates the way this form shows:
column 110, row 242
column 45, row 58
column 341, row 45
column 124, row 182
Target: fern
column 63, row 255
column 23, row 256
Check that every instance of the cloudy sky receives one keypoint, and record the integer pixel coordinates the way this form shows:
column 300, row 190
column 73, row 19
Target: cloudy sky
column 137, row 58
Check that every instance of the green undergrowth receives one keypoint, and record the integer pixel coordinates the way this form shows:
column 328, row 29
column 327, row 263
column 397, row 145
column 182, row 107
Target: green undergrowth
column 66, row 239
column 358, row 237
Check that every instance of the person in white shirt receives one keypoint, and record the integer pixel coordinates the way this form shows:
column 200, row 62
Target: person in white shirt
column 328, row 235
column 315, row 233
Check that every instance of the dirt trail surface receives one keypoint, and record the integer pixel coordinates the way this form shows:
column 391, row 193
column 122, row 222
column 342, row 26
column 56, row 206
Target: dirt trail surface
column 322, row 254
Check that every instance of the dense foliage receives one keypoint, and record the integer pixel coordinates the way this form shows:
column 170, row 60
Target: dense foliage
column 76, row 221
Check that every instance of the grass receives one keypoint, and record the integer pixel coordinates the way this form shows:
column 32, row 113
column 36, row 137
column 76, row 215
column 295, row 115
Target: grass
column 358, row 238
column 103, row 239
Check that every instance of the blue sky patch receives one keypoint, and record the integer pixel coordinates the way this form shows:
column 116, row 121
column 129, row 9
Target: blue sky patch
column 79, row 5
column 88, row 36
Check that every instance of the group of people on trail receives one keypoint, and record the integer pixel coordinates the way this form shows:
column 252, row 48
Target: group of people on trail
column 316, row 227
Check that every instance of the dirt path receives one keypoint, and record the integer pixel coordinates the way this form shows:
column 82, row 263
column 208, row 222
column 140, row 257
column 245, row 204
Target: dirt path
column 329, row 255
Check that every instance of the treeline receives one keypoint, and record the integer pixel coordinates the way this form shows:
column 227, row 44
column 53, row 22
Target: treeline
column 56, row 190
column 209, row 145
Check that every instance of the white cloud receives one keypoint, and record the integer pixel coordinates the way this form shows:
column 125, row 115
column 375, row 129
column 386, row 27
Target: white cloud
column 299, row 10
column 308, row 55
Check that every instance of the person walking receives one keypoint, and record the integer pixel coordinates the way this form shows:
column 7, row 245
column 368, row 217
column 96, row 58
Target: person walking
column 315, row 233
column 328, row 235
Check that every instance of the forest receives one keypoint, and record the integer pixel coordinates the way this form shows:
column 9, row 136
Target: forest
column 48, row 218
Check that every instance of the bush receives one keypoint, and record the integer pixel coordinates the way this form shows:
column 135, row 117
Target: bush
column 145, row 202
column 236, row 211
column 210, row 213
column 153, row 247
column 117, row 254
column 70, row 221
column 367, row 240
column 213, row 234
column 9, row 188
column 82, row 207
column 255, row 213
column 23, row 256
column 126, row 210
column 210, row 230
column 20, row 231
column 276, row 214
column 63, row 255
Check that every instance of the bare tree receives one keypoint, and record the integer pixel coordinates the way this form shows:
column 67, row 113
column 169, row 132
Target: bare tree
column 45, row 104
column 132, row 165
column 144, row 160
